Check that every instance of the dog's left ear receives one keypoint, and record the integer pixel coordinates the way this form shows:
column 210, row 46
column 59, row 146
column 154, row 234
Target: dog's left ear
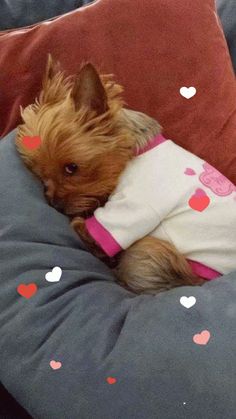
column 88, row 91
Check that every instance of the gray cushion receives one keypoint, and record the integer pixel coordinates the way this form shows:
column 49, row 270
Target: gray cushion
column 96, row 329
column 227, row 13
column 18, row 13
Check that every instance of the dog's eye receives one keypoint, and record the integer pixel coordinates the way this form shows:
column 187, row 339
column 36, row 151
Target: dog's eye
column 70, row 169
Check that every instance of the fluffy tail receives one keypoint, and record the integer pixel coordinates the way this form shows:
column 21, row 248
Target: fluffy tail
column 151, row 265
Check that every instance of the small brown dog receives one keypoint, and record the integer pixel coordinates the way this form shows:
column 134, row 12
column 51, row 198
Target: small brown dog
column 88, row 138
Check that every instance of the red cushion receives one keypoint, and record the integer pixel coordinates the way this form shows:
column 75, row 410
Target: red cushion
column 154, row 48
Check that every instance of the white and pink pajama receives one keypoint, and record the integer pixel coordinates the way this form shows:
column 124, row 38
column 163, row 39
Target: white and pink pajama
column 169, row 193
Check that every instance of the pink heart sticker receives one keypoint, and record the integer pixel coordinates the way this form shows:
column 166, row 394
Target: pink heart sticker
column 55, row 365
column 189, row 172
column 202, row 338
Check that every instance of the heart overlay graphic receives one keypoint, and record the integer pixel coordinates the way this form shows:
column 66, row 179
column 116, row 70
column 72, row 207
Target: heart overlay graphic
column 55, row 365
column 111, row 380
column 199, row 201
column 27, row 291
column 32, row 143
column 202, row 338
column 187, row 302
column 54, row 275
column 188, row 92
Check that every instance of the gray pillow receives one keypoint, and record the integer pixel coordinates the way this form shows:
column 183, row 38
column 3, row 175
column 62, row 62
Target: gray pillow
column 18, row 13
column 227, row 12
column 117, row 355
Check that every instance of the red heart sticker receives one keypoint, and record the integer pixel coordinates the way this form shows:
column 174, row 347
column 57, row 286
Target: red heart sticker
column 32, row 143
column 199, row 201
column 111, row 380
column 202, row 338
column 27, row 291
column 55, row 365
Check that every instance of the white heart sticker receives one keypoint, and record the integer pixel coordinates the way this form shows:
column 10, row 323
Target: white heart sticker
column 54, row 275
column 187, row 302
column 188, row 92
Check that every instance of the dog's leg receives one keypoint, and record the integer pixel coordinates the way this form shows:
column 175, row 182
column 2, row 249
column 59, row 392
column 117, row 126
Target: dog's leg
column 151, row 265
column 148, row 266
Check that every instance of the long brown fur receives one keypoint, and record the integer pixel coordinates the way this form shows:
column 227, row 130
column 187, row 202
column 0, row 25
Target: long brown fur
column 82, row 119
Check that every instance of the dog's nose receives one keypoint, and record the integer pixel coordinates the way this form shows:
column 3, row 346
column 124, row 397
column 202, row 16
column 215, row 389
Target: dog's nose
column 57, row 203
column 49, row 187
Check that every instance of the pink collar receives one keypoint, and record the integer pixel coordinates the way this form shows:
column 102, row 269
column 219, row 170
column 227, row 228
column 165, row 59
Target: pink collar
column 159, row 139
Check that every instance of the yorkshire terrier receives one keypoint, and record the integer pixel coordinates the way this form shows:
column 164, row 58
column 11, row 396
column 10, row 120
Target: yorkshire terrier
column 90, row 145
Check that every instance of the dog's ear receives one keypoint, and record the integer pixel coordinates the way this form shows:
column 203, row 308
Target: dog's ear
column 88, row 91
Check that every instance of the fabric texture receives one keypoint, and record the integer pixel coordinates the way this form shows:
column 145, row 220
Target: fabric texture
column 171, row 194
column 20, row 13
column 178, row 44
column 227, row 12
column 117, row 355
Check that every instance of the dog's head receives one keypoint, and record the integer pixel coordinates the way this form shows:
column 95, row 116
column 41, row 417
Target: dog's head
column 84, row 146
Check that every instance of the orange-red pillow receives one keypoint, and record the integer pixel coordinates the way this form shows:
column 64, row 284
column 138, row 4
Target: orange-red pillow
column 154, row 48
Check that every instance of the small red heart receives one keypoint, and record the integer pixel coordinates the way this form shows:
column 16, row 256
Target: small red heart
column 27, row 291
column 199, row 201
column 202, row 338
column 32, row 143
column 111, row 380
column 55, row 365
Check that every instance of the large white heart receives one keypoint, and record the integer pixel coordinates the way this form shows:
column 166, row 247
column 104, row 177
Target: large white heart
column 187, row 302
column 54, row 275
column 188, row 92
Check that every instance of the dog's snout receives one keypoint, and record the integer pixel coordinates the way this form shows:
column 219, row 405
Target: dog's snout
column 57, row 203
column 49, row 189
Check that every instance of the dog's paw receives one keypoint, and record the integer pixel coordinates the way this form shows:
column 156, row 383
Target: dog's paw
column 77, row 222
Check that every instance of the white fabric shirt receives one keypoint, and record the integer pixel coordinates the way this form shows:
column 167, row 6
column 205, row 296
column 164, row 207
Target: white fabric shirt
column 169, row 193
